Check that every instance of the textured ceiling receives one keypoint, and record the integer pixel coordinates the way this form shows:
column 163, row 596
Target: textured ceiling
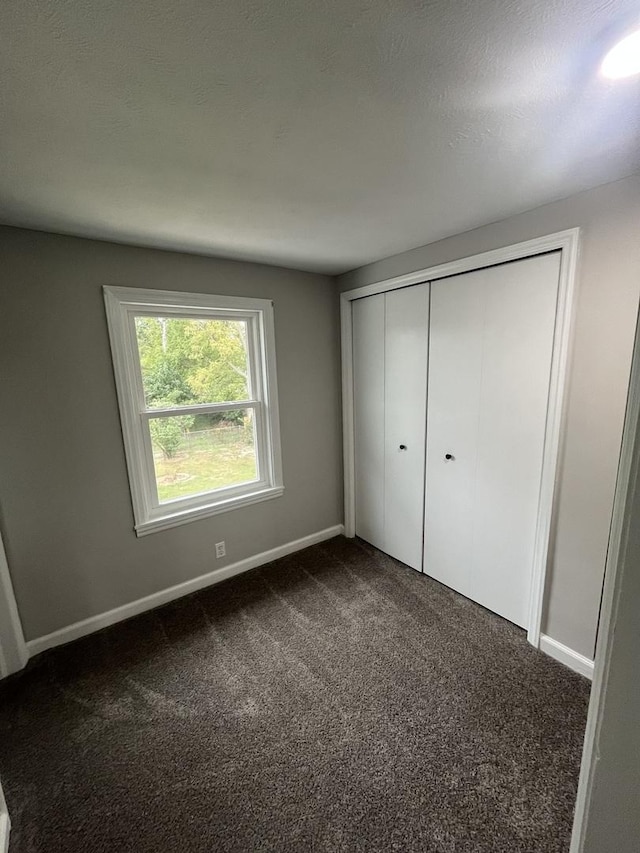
column 319, row 134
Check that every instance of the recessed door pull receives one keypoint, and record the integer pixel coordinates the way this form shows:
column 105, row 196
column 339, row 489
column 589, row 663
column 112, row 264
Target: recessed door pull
column 403, row 447
column 448, row 457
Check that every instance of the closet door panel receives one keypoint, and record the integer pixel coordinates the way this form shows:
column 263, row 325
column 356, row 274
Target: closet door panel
column 368, row 402
column 455, row 348
column 520, row 308
column 490, row 360
column 406, row 355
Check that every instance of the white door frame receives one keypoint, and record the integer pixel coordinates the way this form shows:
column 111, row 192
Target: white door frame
column 567, row 242
column 13, row 657
column 5, row 824
column 13, row 649
column 620, row 560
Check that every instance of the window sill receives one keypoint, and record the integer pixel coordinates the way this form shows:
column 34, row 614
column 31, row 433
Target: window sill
column 174, row 519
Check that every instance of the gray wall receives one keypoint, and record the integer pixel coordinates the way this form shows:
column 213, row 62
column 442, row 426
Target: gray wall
column 609, row 289
column 64, row 496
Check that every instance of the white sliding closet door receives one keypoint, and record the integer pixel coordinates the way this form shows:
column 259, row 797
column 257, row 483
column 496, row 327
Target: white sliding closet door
column 368, row 400
column 490, row 350
column 405, row 380
column 390, row 334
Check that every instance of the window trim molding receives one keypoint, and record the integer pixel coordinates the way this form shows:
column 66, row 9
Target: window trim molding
column 121, row 304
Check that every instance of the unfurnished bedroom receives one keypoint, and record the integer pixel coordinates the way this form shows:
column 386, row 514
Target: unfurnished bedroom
column 319, row 427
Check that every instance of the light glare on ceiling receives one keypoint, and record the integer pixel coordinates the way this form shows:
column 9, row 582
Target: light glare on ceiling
column 623, row 60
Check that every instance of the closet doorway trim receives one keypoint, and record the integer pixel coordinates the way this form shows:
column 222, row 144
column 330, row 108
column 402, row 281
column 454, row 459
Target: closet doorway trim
column 567, row 242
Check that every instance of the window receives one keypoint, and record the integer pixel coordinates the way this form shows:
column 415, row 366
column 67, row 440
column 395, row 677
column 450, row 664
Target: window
column 196, row 383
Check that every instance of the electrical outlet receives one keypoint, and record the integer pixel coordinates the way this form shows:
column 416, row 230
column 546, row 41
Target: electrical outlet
column 220, row 550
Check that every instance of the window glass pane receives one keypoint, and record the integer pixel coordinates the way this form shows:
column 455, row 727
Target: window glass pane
column 193, row 454
column 189, row 361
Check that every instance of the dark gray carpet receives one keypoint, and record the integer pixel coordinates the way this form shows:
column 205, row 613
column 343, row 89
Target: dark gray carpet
column 331, row 701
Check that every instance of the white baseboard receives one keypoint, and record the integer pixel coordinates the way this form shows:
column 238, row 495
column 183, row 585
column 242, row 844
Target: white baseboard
column 574, row 660
column 118, row 614
column 5, row 828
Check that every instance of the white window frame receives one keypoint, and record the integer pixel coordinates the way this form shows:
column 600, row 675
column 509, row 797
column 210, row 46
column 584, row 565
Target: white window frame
column 123, row 304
